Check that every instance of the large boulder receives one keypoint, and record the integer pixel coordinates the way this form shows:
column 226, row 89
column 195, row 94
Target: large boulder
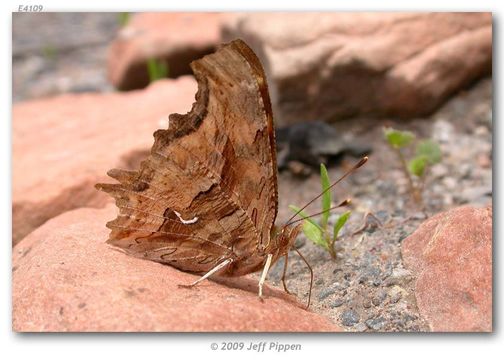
column 63, row 145
column 172, row 38
column 327, row 66
column 66, row 278
column 451, row 255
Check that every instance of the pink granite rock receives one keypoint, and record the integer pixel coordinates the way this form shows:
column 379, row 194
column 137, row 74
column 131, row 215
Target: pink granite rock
column 328, row 66
column 451, row 254
column 63, row 145
column 173, row 38
column 65, row 278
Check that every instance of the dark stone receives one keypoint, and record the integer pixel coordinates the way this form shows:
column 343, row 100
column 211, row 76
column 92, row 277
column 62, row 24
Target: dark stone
column 314, row 142
column 349, row 318
column 370, row 275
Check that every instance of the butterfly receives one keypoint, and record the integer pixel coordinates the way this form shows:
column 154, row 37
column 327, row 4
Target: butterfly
column 205, row 200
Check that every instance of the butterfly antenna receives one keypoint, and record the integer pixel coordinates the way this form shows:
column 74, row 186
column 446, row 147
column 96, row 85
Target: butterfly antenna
column 343, row 203
column 355, row 167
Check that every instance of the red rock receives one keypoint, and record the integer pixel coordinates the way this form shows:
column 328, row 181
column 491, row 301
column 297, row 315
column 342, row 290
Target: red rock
column 176, row 38
column 63, row 145
column 327, row 66
column 451, row 254
column 65, row 278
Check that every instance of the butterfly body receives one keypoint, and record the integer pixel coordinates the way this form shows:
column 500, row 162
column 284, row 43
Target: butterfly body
column 207, row 193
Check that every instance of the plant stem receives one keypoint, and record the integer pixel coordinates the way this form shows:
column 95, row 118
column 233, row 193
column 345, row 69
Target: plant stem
column 330, row 245
column 415, row 191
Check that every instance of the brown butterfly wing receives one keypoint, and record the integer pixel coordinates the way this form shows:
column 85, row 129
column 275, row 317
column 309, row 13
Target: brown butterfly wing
column 208, row 189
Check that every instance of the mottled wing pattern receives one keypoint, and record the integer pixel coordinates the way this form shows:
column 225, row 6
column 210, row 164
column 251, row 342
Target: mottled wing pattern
column 208, row 189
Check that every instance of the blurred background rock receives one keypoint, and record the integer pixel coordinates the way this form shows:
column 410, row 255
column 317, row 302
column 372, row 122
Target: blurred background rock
column 54, row 53
column 320, row 66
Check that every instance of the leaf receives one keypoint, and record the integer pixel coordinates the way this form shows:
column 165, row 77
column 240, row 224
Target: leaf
column 340, row 223
column 157, row 69
column 326, row 197
column 430, row 150
column 416, row 166
column 314, row 233
column 398, row 139
column 311, row 229
column 303, row 214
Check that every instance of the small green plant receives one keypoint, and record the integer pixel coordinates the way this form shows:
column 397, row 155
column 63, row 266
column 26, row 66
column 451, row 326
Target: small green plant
column 123, row 18
column 426, row 154
column 319, row 232
column 157, row 69
column 50, row 52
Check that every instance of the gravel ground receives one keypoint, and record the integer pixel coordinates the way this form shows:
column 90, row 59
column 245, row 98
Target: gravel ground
column 366, row 288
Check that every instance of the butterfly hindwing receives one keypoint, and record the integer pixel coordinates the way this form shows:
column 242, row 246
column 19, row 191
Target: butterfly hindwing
column 208, row 189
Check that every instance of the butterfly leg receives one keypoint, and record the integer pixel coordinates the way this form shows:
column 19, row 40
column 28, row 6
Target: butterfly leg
column 209, row 273
column 263, row 275
column 284, row 273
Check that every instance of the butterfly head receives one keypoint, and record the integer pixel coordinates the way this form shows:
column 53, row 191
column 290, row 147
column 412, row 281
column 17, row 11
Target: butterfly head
column 283, row 239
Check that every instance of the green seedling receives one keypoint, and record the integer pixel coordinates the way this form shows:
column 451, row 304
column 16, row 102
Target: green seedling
column 426, row 154
column 157, row 69
column 123, row 18
column 319, row 232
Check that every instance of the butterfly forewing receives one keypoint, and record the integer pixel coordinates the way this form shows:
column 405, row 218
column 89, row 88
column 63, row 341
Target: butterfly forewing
column 208, row 189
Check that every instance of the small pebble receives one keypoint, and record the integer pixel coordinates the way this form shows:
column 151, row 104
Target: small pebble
column 395, row 298
column 337, row 303
column 379, row 298
column 438, row 171
column 450, row 183
column 382, row 215
column 349, row 318
column 361, row 327
column 399, row 277
column 375, row 324
column 418, row 216
column 409, row 317
column 370, row 275
column 396, row 293
column 335, row 271
column 326, row 293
